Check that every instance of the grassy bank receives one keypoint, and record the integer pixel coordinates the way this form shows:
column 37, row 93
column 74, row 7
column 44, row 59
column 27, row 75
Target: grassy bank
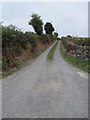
column 51, row 52
column 20, row 48
column 21, row 65
column 76, row 61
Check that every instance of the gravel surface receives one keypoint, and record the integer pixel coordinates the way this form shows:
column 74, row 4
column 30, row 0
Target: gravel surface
column 46, row 90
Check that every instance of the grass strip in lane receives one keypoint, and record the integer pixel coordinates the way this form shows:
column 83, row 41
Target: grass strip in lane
column 51, row 52
column 76, row 61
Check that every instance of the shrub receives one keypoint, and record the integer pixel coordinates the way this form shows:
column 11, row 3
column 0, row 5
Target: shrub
column 14, row 42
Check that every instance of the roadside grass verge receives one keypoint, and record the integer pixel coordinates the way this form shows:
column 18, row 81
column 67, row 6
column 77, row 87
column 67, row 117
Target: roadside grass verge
column 51, row 52
column 76, row 61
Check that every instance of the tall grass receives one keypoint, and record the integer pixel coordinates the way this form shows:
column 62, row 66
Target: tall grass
column 51, row 52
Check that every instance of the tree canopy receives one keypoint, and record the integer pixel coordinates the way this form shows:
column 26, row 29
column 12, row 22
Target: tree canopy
column 37, row 23
column 49, row 28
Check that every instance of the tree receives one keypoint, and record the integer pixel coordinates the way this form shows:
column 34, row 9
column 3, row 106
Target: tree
column 36, row 23
column 56, row 34
column 69, row 36
column 58, row 38
column 49, row 28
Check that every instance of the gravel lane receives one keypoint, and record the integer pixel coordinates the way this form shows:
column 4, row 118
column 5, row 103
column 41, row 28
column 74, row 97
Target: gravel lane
column 46, row 90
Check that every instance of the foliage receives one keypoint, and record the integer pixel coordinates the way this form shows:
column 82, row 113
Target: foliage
column 49, row 28
column 56, row 34
column 58, row 38
column 82, row 41
column 15, row 42
column 36, row 23
column 5, row 63
column 69, row 36
column 17, row 64
column 18, row 46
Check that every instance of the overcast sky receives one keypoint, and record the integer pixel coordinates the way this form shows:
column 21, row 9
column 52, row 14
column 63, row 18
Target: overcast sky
column 67, row 18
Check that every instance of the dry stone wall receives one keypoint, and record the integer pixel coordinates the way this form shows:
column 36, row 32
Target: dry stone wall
column 73, row 48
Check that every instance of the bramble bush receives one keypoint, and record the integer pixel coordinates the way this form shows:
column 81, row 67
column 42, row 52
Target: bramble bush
column 14, row 42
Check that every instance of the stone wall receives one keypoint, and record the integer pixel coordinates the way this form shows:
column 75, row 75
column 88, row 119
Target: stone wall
column 75, row 49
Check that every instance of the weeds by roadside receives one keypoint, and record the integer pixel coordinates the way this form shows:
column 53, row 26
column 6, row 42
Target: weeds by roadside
column 74, row 60
column 51, row 52
column 23, row 64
